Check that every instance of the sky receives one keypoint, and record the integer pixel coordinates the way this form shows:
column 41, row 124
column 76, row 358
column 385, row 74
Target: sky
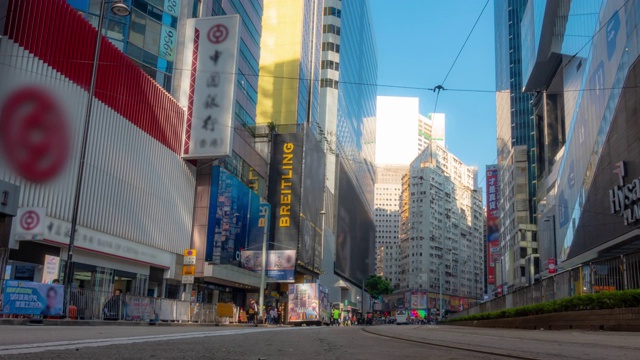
column 417, row 42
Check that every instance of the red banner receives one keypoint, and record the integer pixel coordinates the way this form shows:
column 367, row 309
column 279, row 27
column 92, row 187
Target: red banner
column 493, row 226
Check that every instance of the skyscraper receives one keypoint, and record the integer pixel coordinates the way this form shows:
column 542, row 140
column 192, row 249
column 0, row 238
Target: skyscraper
column 289, row 64
column 397, row 117
column 515, row 127
column 441, row 227
column 347, row 126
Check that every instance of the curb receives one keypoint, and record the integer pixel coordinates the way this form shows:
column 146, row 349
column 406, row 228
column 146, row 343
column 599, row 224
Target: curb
column 67, row 322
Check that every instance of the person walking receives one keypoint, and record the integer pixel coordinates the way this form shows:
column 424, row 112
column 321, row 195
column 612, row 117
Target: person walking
column 114, row 308
column 273, row 314
column 252, row 312
column 336, row 317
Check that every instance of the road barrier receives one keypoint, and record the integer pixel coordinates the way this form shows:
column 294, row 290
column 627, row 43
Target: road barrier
column 97, row 305
column 616, row 273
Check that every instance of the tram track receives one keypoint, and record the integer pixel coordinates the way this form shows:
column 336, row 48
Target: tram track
column 450, row 347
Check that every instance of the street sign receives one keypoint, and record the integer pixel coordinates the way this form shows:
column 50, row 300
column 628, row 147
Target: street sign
column 188, row 279
column 552, row 266
column 188, row 270
column 189, row 257
column 30, row 224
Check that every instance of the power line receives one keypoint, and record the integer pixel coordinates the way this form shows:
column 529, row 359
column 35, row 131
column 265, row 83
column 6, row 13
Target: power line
column 594, row 35
column 465, row 42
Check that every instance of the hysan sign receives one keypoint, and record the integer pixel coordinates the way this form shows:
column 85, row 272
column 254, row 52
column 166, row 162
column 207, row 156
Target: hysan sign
column 624, row 198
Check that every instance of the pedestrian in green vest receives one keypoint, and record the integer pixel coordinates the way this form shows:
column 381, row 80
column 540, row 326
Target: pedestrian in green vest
column 336, row 317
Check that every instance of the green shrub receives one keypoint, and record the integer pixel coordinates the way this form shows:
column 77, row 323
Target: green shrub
column 599, row 301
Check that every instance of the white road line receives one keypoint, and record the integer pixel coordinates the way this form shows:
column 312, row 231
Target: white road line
column 66, row 345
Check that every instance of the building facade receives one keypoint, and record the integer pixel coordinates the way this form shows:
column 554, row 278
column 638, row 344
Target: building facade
column 154, row 37
column 441, row 230
column 131, row 230
column 347, row 126
column 397, row 117
column 588, row 209
column 515, row 127
column 387, row 219
column 290, row 64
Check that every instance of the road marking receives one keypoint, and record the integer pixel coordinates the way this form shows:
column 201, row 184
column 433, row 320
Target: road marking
column 66, row 345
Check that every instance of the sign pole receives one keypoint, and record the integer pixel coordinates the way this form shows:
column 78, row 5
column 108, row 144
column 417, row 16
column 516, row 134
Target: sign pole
column 263, row 270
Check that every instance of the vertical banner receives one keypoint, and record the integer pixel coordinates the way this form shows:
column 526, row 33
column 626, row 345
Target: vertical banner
column 285, row 183
column 211, row 53
column 51, row 269
column 237, row 219
column 493, row 226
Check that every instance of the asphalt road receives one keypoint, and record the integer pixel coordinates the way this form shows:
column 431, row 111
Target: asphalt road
column 377, row 342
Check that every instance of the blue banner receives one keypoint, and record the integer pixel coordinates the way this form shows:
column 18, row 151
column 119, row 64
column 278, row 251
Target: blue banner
column 31, row 298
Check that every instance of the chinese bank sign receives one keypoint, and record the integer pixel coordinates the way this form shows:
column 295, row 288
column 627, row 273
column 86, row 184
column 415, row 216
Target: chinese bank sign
column 493, row 226
column 211, row 53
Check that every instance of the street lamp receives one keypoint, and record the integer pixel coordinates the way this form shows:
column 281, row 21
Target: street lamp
column 552, row 219
column 120, row 9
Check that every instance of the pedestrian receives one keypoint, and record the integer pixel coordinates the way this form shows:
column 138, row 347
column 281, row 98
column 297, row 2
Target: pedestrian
column 252, row 312
column 114, row 308
column 336, row 317
column 273, row 314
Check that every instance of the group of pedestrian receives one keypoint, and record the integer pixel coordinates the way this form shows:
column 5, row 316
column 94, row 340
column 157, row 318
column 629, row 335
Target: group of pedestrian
column 272, row 316
column 344, row 320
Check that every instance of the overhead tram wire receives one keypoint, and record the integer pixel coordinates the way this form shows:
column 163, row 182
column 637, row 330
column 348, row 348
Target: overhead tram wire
column 437, row 89
column 465, row 42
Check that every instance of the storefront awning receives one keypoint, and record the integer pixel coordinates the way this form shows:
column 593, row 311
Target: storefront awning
column 342, row 284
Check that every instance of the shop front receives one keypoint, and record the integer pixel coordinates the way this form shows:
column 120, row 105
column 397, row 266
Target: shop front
column 102, row 263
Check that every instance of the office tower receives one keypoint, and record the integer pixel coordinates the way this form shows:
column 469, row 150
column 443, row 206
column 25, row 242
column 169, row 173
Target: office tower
column 581, row 60
column 515, row 127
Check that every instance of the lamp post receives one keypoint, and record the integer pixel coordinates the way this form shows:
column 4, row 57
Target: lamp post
column 120, row 9
column 263, row 270
column 552, row 219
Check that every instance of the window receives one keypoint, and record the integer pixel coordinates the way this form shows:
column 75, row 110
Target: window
column 331, row 29
column 329, row 46
column 331, row 11
column 330, row 64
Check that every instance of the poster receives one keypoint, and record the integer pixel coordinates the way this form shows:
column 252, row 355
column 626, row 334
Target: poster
column 303, row 302
column 281, row 264
column 51, row 269
column 31, row 298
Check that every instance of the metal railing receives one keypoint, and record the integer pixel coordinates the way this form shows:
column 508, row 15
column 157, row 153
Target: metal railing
column 617, row 273
column 97, row 305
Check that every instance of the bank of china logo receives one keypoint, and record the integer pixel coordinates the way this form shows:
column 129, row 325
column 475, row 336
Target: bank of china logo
column 620, row 170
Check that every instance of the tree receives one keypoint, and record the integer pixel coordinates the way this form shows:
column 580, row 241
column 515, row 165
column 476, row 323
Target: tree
column 377, row 285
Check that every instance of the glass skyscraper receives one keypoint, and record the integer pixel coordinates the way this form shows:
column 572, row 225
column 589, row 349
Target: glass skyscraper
column 516, row 149
column 517, row 125
column 357, row 96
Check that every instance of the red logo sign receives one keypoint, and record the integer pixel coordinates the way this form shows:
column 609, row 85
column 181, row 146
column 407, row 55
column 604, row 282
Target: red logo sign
column 29, row 220
column 218, row 34
column 33, row 134
column 552, row 266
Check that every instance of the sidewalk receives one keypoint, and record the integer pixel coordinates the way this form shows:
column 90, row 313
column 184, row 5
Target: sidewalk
column 67, row 322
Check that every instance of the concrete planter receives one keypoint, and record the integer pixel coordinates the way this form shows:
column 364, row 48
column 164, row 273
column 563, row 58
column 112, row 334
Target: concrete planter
column 627, row 319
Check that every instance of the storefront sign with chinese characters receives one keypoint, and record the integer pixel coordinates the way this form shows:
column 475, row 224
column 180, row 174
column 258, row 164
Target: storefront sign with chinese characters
column 211, row 56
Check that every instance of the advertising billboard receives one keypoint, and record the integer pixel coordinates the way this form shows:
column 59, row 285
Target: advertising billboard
column 285, row 182
column 235, row 217
column 281, row 264
column 31, row 298
column 304, row 304
column 355, row 238
column 313, row 174
column 419, row 300
column 493, row 226
column 211, row 53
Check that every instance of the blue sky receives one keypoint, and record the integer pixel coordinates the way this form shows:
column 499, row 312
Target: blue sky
column 417, row 41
